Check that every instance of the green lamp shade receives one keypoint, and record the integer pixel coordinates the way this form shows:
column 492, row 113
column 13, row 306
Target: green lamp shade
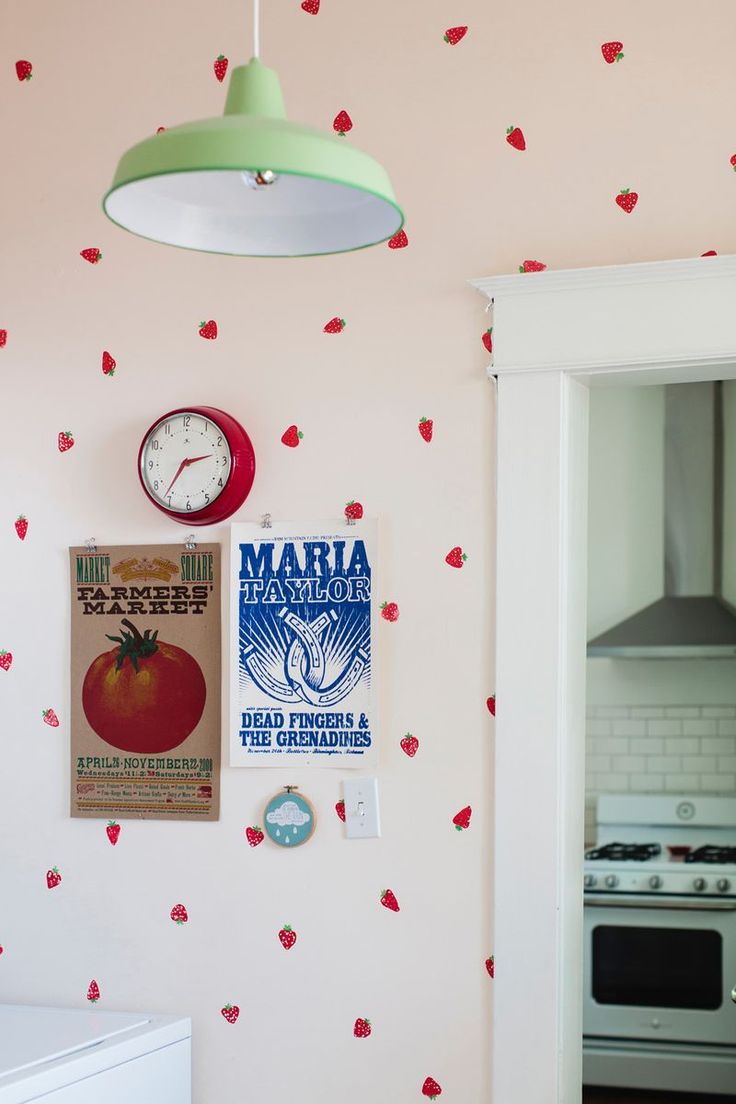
column 252, row 183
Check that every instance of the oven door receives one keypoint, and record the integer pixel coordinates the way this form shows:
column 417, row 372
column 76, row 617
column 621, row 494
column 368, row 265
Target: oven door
column 660, row 968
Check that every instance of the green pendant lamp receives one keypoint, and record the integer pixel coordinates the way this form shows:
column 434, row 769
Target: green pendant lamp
column 252, row 183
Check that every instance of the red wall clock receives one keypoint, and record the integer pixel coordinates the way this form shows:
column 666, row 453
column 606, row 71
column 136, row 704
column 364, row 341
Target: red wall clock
column 197, row 465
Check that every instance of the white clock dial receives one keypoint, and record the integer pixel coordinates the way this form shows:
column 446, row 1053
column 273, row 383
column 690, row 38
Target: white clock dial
column 185, row 462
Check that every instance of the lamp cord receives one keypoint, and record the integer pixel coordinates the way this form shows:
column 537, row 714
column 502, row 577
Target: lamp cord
column 256, row 28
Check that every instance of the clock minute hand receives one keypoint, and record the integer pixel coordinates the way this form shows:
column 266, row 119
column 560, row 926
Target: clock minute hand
column 185, row 464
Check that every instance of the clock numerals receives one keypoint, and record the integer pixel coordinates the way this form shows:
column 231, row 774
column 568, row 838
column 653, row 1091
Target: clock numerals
column 184, row 461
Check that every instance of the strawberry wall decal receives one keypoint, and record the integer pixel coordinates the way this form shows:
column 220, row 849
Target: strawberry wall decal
column 388, row 900
column 179, row 914
column 65, row 441
column 362, row 1028
column 287, row 937
column 254, row 835
column 398, row 241
column 515, row 137
column 92, row 255
column 409, row 745
column 230, row 1012
column 6, row 660
column 208, row 330
column 108, row 364
column 93, row 992
column 23, row 70
column 453, row 35
column 389, row 611
column 709, row 253
column 455, row 557
column 461, row 820
column 431, row 1089
column 220, row 65
column 334, row 326
column 490, row 966
column 353, row 510
column 291, row 437
column 612, row 51
column 426, row 428
column 487, row 339
column 21, row 526
column 340, row 809
column 311, row 7
column 491, row 705
column 342, row 123
column 3, row 338
column 113, row 831
column 50, row 718
column 627, row 200
column 53, row 877
column 532, row 266
column 160, row 130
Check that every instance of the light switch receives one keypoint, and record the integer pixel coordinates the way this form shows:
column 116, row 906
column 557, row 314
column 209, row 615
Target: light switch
column 362, row 819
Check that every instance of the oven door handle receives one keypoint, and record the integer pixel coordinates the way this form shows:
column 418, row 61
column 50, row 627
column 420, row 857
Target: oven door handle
column 691, row 904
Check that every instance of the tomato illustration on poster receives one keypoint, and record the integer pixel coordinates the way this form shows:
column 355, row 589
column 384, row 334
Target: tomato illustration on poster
column 302, row 626
column 145, row 682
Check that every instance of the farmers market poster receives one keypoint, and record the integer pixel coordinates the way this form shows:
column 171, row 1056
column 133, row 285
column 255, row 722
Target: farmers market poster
column 301, row 617
column 145, row 682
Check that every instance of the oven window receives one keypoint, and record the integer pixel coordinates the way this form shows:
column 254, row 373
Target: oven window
column 657, row 967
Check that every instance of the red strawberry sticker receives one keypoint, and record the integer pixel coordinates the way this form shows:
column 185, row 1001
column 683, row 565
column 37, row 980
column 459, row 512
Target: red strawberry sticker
column 179, row 914
column 113, row 831
column 398, row 241
column 92, row 255
column 342, row 123
column 160, row 130
column 53, row 877
column 220, row 66
column 627, row 200
column 208, row 330
column 487, row 339
column 409, row 745
column 532, row 266
column 612, row 51
column 21, row 526
column 50, row 718
column 335, row 325
column 254, row 835
column 426, row 427
column 515, row 137
column 709, row 253
column 230, row 1012
column 362, row 1028
column 93, row 992
column 388, row 900
column 23, row 70
column 456, row 557
column 353, row 511
column 454, row 34
column 291, row 437
column 490, row 966
column 431, row 1089
column 389, row 611
column 311, row 7
column 6, row 659
column 288, row 937
column 340, row 809
column 461, row 820
column 3, row 338
column 65, row 441
column 733, row 161
column 108, row 364
column 491, row 705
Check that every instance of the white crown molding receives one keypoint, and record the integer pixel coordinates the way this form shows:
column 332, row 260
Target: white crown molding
column 709, row 366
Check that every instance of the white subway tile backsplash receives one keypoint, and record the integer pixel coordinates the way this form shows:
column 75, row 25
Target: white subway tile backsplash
column 699, row 764
column 664, row 728
column 603, row 763
column 682, row 711
column 650, row 745
column 608, row 745
column 647, row 711
column 700, row 727
column 612, row 711
column 628, row 727
column 646, row 783
column 722, row 745
column 727, row 728
column 718, row 783
column 726, row 763
column 597, row 727
column 632, row 764
column 663, row 763
column 718, row 711
column 682, row 745
column 613, row 783
column 680, row 783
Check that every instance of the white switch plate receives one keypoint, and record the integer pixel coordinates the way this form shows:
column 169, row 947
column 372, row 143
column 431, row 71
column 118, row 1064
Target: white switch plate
column 362, row 818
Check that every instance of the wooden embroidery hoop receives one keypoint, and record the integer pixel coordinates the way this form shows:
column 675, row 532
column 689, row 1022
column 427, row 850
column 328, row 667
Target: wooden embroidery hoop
column 310, row 807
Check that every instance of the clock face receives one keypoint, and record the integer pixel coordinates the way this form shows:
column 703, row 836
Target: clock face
column 185, row 462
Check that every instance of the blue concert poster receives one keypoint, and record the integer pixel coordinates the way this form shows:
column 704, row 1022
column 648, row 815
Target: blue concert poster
column 302, row 617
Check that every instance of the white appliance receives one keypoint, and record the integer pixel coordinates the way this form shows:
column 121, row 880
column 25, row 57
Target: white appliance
column 69, row 1056
column 659, row 1002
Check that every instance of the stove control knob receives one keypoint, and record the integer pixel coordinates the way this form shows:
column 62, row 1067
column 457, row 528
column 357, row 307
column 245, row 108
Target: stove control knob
column 723, row 885
column 699, row 885
column 589, row 881
column 611, row 881
column 655, row 882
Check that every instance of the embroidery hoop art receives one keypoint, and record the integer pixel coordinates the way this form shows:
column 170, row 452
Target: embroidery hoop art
column 289, row 829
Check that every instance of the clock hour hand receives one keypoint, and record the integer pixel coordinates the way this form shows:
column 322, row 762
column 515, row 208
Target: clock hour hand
column 185, row 464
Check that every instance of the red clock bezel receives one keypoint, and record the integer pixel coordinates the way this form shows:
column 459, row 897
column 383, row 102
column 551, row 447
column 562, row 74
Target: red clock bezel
column 242, row 468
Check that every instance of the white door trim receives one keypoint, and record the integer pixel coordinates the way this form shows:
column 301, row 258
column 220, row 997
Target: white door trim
column 555, row 334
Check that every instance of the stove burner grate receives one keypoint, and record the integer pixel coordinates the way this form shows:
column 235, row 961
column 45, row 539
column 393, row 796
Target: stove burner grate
column 712, row 854
column 625, row 852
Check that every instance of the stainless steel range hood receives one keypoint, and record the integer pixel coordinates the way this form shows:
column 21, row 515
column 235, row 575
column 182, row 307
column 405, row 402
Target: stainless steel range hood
column 692, row 620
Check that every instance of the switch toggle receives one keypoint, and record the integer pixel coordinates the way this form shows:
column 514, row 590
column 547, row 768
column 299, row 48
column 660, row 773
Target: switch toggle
column 362, row 819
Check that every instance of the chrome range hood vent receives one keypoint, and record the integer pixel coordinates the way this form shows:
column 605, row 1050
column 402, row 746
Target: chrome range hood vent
column 692, row 620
